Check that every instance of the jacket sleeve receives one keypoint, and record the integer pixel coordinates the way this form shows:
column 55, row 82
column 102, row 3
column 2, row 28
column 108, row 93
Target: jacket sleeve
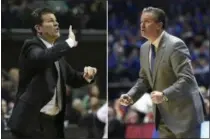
column 181, row 64
column 141, row 86
column 75, row 78
column 37, row 57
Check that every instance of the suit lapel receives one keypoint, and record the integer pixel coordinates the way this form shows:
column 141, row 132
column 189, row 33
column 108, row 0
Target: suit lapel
column 159, row 56
column 55, row 72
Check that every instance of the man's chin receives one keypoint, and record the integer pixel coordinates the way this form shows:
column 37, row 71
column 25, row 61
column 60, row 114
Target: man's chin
column 57, row 36
column 143, row 35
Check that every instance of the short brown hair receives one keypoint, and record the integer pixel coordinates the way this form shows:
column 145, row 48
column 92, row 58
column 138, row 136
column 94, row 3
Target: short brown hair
column 36, row 17
column 159, row 13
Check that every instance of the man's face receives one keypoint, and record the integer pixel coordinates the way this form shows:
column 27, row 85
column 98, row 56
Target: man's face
column 49, row 27
column 149, row 25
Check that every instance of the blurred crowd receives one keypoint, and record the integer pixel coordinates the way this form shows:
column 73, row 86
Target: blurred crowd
column 82, row 103
column 187, row 19
column 88, row 14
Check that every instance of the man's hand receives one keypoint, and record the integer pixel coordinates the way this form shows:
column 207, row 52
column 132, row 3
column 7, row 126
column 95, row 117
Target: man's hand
column 158, row 97
column 72, row 36
column 125, row 100
column 89, row 73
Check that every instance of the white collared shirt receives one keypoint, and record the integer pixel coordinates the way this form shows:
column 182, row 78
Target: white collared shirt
column 157, row 41
column 50, row 108
column 47, row 44
column 156, row 44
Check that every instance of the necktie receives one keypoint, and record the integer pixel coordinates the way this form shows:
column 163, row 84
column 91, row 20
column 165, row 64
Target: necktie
column 58, row 87
column 153, row 54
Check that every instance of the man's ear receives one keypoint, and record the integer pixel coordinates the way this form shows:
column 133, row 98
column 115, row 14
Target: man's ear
column 160, row 25
column 37, row 28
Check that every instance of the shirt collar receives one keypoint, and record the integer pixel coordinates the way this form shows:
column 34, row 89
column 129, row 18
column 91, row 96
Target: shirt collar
column 157, row 41
column 47, row 44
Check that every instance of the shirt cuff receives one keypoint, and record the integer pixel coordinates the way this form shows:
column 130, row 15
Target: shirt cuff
column 88, row 80
column 71, row 43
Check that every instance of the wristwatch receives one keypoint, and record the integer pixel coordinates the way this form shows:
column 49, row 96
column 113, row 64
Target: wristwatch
column 164, row 97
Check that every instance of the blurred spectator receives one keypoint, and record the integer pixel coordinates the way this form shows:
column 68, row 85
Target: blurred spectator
column 5, row 89
column 4, row 115
column 77, row 112
column 94, row 105
column 149, row 118
column 14, row 77
column 93, row 91
column 132, row 117
column 9, row 82
column 119, row 111
column 116, row 127
column 94, row 122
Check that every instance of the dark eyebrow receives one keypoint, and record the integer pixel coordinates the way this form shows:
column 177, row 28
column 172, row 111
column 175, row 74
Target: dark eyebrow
column 52, row 19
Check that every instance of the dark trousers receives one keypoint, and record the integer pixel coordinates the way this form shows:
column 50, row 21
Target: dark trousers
column 165, row 132
column 46, row 129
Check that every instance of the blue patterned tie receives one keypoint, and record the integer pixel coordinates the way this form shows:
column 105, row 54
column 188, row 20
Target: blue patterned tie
column 152, row 47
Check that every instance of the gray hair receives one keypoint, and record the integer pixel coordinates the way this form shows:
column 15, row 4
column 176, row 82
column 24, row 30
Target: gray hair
column 159, row 14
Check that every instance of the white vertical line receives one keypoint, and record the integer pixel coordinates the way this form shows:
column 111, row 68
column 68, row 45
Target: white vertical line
column 107, row 45
column 0, row 62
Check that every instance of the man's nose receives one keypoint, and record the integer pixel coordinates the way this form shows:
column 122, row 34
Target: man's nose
column 56, row 24
column 142, row 25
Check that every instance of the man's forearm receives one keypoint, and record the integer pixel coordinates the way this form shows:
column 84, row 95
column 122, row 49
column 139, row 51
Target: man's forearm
column 179, row 88
column 138, row 90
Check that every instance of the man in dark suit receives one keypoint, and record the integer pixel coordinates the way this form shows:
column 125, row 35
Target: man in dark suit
column 40, row 100
column 167, row 72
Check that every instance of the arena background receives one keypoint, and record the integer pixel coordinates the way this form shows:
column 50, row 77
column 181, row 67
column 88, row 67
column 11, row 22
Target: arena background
column 88, row 20
column 187, row 19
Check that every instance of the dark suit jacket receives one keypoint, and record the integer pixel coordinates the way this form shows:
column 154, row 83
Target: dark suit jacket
column 172, row 75
column 38, row 78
